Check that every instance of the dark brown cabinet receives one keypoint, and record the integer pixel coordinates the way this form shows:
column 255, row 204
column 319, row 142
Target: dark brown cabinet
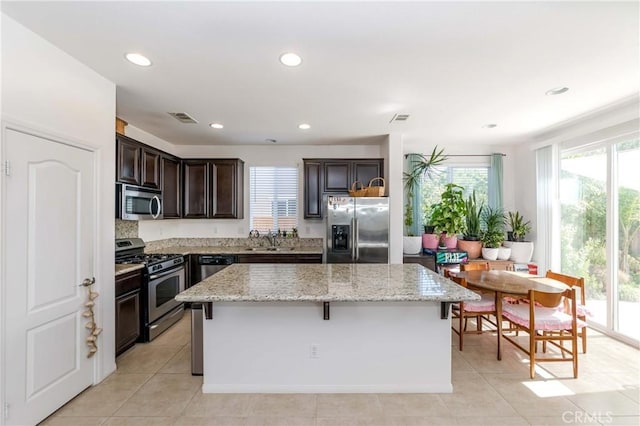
column 226, row 185
column 196, row 189
column 127, row 160
column 150, row 173
column 330, row 176
column 279, row 258
column 171, row 185
column 426, row 261
column 313, row 187
column 337, row 176
column 214, row 188
column 136, row 163
column 127, row 310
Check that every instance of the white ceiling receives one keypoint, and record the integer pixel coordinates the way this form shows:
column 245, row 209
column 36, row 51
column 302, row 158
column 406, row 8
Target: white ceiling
column 453, row 66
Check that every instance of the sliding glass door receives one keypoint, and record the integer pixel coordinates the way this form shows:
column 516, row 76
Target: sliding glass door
column 600, row 231
column 583, row 201
column 626, row 289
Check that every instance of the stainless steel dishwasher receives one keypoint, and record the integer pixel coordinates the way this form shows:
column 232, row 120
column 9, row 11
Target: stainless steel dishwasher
column 206, row 265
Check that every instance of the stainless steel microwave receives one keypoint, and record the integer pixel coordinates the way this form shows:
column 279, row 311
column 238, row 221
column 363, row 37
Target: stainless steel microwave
column 138, row 203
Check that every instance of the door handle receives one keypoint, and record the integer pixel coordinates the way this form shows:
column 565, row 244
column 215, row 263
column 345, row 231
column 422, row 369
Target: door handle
column 356, row 239
column 353, row 239
column 155, row 197
column 88, row 282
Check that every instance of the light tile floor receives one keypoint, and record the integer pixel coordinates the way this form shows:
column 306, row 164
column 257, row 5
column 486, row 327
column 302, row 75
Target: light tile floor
column 153, row 386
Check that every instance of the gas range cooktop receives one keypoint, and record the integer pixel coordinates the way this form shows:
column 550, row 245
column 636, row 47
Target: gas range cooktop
column 131, row 251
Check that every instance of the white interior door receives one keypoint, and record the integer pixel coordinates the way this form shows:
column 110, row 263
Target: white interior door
column 49, row 211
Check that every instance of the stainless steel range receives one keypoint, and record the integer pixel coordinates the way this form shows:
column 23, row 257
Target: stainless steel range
column 163, row 279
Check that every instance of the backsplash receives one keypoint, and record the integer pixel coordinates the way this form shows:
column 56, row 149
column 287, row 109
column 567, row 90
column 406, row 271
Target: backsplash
column 231, row 242
column 126, row 228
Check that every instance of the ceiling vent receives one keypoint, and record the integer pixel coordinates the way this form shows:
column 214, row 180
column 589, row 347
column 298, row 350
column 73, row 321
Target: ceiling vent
column 182, row 117
column 399, row 117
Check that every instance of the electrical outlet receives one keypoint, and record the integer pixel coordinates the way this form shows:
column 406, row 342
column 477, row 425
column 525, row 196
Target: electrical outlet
column 314, row 351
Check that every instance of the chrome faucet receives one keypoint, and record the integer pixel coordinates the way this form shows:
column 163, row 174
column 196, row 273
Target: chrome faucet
column 272, row 237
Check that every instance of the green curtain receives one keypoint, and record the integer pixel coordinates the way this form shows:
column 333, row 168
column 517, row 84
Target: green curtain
column 495, row 181
column 416, row 228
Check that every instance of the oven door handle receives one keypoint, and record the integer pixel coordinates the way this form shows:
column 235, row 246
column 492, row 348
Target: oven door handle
column 164, row 274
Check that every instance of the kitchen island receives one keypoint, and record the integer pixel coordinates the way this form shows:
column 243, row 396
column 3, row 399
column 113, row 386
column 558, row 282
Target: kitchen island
column 326, row 328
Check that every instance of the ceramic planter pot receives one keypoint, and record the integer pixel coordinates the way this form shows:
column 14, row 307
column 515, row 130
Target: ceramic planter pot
column 521, row 251
column 451, row 242
column 430, row 241
column 411, row 245
column 473, row 248
column 504, row 253
column 489, row 253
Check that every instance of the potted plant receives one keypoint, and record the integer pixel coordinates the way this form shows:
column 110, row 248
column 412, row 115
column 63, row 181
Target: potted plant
column 421, row 166
column 470, row 241
column 449, row 214
column 411, row 244
column 521, row 250
column 429, row 239
column 493, row 235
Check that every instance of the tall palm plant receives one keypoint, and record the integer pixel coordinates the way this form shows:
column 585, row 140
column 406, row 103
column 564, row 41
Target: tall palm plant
column 420, row 166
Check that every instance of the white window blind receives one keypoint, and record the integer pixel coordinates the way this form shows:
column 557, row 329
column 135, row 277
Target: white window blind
column 273, row 202
column 471, row 178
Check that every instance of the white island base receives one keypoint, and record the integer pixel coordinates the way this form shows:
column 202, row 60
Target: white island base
column 287, row 347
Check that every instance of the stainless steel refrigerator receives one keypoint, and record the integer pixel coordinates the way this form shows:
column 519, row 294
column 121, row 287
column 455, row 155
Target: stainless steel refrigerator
column 357, row 229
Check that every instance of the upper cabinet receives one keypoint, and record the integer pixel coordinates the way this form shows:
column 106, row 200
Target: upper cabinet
column 171, row 186
column 328, row 176
column 136, row 163
column 150, row 171
column 196, row 188
column 127, row 160
column 227, row 186
column 213, row 188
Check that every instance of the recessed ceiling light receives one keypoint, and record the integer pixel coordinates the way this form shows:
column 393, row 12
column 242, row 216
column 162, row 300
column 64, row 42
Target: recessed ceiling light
column 138, row 59
column 216, row 125
column 489, row 126
column 290, row 59
column 556, row 91
column 270, row 140
column 304, row 126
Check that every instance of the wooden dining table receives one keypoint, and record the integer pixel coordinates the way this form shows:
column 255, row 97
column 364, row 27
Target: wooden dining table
column 508, row 283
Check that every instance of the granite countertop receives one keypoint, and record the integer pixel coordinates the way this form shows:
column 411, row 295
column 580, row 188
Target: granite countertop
column 123, row 269
column 235, row 250
column 326, row 283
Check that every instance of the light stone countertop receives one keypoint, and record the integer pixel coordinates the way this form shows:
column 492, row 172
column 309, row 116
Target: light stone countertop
column 235, row 250
column 124, row 268
column 326, row 283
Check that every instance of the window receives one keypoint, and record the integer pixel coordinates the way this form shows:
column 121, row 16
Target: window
column 470, row 178
column 273, row 202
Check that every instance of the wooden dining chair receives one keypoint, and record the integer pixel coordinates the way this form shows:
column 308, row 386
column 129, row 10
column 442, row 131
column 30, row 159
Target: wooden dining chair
column 542, row 319
column 474, row 266
column 581, row 310
column 474, row 309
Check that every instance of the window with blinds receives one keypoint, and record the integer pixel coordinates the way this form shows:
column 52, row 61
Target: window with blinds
column 474, row 178
column 273, row 198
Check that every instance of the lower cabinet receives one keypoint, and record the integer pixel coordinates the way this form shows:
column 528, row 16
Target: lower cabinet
column 279, row 258
column 127, row 310
column 426, row 261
